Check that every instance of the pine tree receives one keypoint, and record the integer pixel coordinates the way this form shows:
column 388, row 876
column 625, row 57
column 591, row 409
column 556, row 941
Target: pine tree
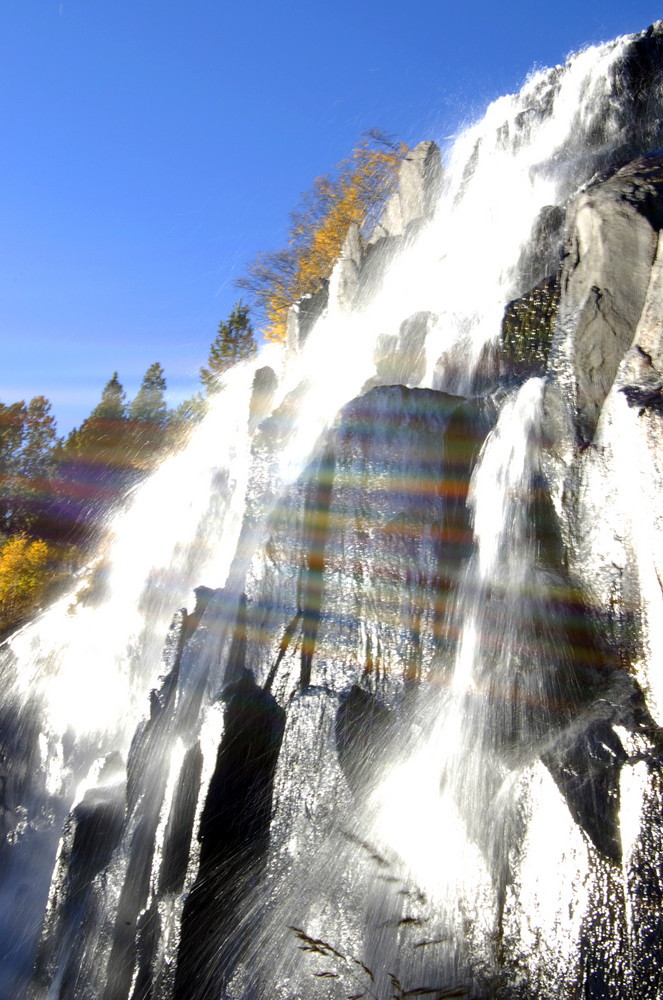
column 149, row 417
column 35, row 466
column 149, row 406
column 182, row 420
column 113, row 404
column 12, row 433
column 102, row 437
column 105, row 432
column 234, row 342
column 110, row 452
column 39, row 439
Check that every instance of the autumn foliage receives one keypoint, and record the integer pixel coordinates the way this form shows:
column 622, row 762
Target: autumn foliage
column 55, row 495
column 23, row 577
column 355, row 191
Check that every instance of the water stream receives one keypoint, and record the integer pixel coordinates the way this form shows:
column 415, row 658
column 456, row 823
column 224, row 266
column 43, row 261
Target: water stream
column 385, row 649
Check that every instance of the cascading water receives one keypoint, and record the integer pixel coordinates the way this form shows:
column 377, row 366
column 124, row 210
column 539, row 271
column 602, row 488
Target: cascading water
column 392, row 687
column 76, row 680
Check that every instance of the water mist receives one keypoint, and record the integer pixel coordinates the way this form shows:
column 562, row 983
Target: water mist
column 398, row 744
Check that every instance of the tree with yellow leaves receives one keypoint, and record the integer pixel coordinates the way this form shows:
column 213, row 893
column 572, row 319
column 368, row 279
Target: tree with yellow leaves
column 356, row 191
column 23, row 577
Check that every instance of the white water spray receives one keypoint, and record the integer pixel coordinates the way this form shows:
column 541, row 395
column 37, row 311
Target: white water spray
column 446, row 812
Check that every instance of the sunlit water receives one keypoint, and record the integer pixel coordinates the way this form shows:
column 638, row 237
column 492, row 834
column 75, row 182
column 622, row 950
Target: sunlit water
column 93, row 656
column 443, row 814
column 444, row 783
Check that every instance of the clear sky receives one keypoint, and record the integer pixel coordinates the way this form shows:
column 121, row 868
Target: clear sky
column 150, row 148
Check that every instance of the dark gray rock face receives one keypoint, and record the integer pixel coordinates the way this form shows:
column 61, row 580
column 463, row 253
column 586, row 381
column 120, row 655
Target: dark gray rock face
column 543, row 254
column 248, row 808
column 603, row 398
column 29, row 838
column 302, row 317
column 528, row 327
column 233, row 835
column 640, row 377
column 376, row 500
column 265, row 384
column 90, row 836
column 19, row 752
column 635, row 83
column 344, row 284
column 608, row 255
column 375, row 261
column 361, row 727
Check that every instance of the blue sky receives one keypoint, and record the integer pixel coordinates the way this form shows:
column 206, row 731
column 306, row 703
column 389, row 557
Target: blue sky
column 150, row 149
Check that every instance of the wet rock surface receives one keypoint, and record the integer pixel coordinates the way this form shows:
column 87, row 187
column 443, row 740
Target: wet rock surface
column 609, row 251
column 253, row 821
column 401, row 359
column 90, row 836
column 233, row 834
column 527, row 332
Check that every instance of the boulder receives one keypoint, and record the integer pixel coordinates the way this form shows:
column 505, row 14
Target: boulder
column 608, row 255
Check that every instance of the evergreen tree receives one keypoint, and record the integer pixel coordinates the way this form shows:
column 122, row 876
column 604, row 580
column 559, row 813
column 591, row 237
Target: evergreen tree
column 99, row 462
column 113, row 404
column 40, row 439
column 182, row 420
column 190, row 410
column 94, row 465
column 234, row 342
column 101, row 437
column 30, row 443
column 12, row 433
column 149, row 417
column 149, row 406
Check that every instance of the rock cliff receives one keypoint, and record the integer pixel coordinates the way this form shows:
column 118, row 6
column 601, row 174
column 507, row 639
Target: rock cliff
column 417, row 736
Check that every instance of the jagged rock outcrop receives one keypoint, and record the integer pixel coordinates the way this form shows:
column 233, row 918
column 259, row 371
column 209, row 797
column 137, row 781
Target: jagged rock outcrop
column 233, row 833
column 344, row 283
column 293, row 754
column 640, row 375
column 400, row 359
column 609, row 250
column 602, row 406
column 302, row 317
column 527, row 332
column 361, row 265
column 90, row 836
column 368, row 527
column 419, row 184
column 543, row 253
column 265, row 384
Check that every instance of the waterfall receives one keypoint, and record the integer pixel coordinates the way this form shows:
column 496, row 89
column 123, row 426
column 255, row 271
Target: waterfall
column 384, row 751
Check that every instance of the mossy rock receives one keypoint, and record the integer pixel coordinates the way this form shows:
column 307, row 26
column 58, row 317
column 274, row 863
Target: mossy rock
column 527, row 331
